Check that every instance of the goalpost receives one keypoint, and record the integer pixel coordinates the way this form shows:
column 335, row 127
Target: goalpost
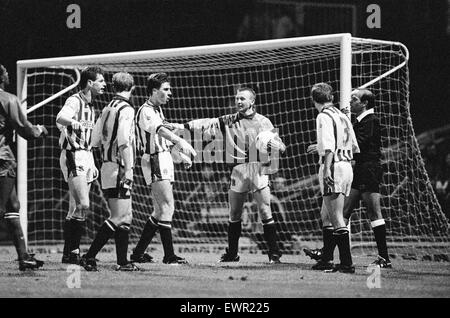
column 204, row 81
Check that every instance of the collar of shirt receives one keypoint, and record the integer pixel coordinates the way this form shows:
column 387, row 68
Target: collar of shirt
column 84, row 98
column 327, row 105
column 243, row 116
column 364, row 114
column 121, row 98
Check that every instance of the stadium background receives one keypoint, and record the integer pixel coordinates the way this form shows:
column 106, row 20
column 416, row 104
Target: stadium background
column 36, row 29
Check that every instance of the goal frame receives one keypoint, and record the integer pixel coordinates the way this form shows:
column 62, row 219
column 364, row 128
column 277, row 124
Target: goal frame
column 345, row 80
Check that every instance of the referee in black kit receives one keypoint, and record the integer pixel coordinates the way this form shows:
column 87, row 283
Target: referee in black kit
column 367, row 173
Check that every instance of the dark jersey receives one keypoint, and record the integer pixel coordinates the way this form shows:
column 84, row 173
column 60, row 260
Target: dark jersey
column 368, row 134
column 12, row 118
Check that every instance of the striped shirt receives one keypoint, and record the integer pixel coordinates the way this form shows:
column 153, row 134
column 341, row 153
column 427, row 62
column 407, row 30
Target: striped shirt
column 150, row 119
column 238, row 132
column 335, row 133
column 114, row 129
column 78, row 108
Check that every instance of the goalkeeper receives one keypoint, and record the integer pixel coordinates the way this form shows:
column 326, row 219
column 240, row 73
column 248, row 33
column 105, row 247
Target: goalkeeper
column 12, row 118
column 239, row 132
column 154, row 137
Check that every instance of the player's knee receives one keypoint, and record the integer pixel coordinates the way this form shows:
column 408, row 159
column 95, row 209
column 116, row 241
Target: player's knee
column 84, row 205
column 265, row 212
column 13, row 206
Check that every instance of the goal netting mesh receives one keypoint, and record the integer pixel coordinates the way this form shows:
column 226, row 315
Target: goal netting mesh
column 204, row 85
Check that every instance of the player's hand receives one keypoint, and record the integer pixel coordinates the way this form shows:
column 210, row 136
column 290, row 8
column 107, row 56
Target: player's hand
column 43, row 130
column 276, row 144
column 76, row 125
column 312, row 148
column 327, row 179
column 184, row 147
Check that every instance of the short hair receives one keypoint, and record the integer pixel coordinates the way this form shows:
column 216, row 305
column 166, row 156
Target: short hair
column 122, row 81
column 155, row 80
column 368, row 96
column 248, row 89
column 322, row 93
column 89, row 73
column 2, row 73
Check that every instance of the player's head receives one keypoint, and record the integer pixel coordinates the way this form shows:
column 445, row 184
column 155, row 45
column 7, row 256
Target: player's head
column 4, row 77
column 362, row 100
column 92, row 78
column 245, row 99
column 122, row 82
column 158, row 88
column 322, row 93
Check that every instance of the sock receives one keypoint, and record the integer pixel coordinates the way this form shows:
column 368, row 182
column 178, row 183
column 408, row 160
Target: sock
column 329, row 243
column 379, row 229
column 234, row 232
column 121, row 240
column 147, row 235
column 270, row 235
column 77, row 230
column 67, row 234
column 165, row 230
column 105, row 232
column 342, row 238
column 15, row 230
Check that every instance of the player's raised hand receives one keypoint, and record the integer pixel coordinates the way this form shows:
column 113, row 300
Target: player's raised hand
column 184, row 147
column 312, row 148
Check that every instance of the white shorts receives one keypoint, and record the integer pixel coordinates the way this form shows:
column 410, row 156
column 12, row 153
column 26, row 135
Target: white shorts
column 342, row 174
column 247, row 177
column 78, row 163
column 111, row 175
column 157, row 167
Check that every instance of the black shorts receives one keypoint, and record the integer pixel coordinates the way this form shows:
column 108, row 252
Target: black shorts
column 367, row 177
column 8, row 168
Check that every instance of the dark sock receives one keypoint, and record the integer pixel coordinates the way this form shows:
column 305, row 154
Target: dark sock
column 270, row 235
column 147, row 235
column 234, row 233
column 121, row 240
column 15, row 230
column 77, row 231
column 105, row 232
column 329, row 244
column 342, row 238
column 165, row 230
column 380, row 238
column 67, row 234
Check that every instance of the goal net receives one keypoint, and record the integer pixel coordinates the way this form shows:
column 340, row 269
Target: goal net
column 204, row 81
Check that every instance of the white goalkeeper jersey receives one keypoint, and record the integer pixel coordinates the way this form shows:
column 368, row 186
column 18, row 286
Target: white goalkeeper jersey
column 114, row 129
column 335, row 133
column 235, row 134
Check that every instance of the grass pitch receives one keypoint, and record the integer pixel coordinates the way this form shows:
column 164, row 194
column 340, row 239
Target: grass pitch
column 204, row 277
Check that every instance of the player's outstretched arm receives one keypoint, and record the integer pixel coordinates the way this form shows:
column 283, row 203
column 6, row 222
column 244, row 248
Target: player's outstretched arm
column 23, row 127
column 181, row 144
